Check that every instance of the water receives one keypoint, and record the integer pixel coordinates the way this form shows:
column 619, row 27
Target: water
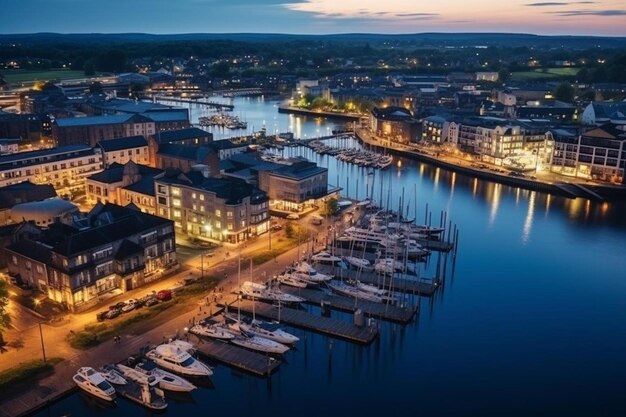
column 532, row 323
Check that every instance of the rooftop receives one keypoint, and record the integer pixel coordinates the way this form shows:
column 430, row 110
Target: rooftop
column 117, row 144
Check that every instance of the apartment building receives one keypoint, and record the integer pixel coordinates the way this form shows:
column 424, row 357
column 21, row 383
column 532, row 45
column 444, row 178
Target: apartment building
column 123, row 150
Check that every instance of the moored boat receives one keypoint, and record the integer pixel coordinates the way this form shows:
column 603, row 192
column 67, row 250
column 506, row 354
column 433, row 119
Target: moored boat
column 175, row 359
column 94, row 383
column 167, row 380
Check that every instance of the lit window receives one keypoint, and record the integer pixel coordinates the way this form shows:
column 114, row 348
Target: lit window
column 177, row 213
column 176, row 202
column 175, row 191
column 201, row 197
column 218, row 213
column 193, row 195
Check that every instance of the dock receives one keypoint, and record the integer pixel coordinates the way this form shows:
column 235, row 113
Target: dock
column 298, row 318
column 417, row 286
column 382, row 311
column 238, row 357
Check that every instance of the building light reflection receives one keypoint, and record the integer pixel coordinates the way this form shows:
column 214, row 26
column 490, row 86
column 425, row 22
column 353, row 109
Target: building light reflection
column 528, row 223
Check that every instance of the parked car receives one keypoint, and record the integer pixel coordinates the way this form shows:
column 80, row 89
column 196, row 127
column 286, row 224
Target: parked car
column 293, row 216
column 101, row 316
column 118, row 306
column 151, row 301
column 164, row 295
column 277, row 227
column 111, row 314
column 130, row 305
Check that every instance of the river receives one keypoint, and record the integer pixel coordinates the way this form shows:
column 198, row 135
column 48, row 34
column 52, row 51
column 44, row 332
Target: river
column 531, row 323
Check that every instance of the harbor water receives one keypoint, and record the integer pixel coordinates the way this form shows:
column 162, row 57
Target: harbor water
column 531, row 322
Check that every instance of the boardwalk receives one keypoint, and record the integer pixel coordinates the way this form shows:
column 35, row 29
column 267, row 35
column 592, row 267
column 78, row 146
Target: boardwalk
column 378, row 310
column 194, row 101
column 237, row 357
column 298, row 318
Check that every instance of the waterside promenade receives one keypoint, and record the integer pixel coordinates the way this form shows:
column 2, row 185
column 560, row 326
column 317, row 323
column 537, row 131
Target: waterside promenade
column 546, row 182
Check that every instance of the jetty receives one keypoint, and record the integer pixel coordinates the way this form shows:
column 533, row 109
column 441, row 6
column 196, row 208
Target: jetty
column 238, row 357
column 382, row 311
column 302, row 319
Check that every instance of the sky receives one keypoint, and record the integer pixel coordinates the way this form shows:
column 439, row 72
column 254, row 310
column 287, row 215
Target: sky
column 598, row 17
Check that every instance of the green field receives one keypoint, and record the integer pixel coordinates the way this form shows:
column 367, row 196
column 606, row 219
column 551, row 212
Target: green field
column 21, row 76
column 544, row 73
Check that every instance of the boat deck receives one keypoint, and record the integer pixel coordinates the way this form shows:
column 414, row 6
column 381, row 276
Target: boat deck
column 380, row 311
column 298, row 318
column 254, row 362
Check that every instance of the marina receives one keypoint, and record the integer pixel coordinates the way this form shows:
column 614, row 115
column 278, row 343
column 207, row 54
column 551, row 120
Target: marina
column 298, row 318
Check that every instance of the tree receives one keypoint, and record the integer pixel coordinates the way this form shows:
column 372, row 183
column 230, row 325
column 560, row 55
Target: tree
column 564, row 92
column 5, row 319
column 331, row 207
column 89, row 68
column 504, row 75
column 290, row 230
column 221, row 69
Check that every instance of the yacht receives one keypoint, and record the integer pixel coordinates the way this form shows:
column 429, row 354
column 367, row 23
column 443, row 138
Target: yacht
column 305, row 271
column 325, row 258
column 93, row 383
column 167, row 380
column 358, row 263
column 272, row 295
column 372, row 289
column 388, row 266
column 131, row 374
column 112, row 375
column 211, row 330
column 173, row 358
column 292, row 280
column 268, row 331
column 260, row 344
column 144, row 394
column 351, row 291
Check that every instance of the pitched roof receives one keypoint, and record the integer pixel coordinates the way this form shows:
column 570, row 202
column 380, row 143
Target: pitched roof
column 191, row 153
column 182, row 134
column 33, row 250
column 93, row 120
column 118, row 144
column 24, row 192
column 127, row 248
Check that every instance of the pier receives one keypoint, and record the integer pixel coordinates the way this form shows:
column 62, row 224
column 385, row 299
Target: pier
column 316, row 113
column 298, row 318
column 238, row 357
column 190, row 101
column 382, row 311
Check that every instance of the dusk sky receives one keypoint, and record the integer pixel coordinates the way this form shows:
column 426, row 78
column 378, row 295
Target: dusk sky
column 602, row 17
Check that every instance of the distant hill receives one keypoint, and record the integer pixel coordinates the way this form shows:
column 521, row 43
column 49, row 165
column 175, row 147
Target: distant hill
column 421, row 39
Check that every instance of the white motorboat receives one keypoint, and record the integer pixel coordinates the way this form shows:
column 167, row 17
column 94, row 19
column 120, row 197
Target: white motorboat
column 269, row 331
column 292, row 280
column 93, row 382
column 167, row 380
column 305, row 271
column 351, row 291
column 325, row 258
column 372, row 289
column 136, row 376
column 263, row 293
column 186, row 346
column 211, row 330
column 358, row 263
column 259, row 344
column 144, row 394
column 388, row 266
column 112, row 375
column 175, row 359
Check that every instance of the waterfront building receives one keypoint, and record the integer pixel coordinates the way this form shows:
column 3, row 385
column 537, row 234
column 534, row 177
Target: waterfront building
column 598, row 153
column 124, row 184
column 64, row 167
column 395, row 124
column 220, row 209
column 112, row 248
column 91, row 130
column 123, row 150
column 436, row 130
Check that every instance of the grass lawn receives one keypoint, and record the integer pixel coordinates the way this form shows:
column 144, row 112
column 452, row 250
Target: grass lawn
column 279, row 246
column 21, row 75
column 143, row 319
column 26, row 372
column 544, row 73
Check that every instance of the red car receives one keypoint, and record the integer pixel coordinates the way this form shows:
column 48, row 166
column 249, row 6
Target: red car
column 164, row 295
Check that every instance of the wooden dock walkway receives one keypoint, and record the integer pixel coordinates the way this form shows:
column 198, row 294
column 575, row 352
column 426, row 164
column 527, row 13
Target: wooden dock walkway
column 388, row 312
column 417, row 286
column 238, row 357
column 298, row 318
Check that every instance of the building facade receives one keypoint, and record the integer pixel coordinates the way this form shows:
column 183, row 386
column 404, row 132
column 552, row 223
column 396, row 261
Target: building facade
column 217, row 209
column 116, row 248
column 123, row 150
column 65, row 167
